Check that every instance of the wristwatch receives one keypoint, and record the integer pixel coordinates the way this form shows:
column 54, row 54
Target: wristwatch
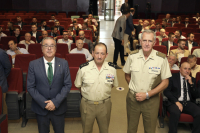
column 147, row 95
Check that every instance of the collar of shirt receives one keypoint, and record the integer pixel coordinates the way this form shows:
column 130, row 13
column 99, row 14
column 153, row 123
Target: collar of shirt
column 190, row 43
column 53, row 61
column 94, row 66
column 151, row 56
column 170, row 42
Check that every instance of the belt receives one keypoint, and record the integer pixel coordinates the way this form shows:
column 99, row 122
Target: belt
column 95, row 102
column 134, row 93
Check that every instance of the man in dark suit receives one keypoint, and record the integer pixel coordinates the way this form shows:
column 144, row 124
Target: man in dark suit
column 35, row 33
column 170, row 42
column 60, row 28
column 181, row 93
column 125, row 5
column 19, row 22
column 173, row 21
column 164, row 23
column 190, row 42
column 49, row 83
column 54, row 32
column 44, row 26
column 75, row 27
column 17, row 34
column 186, row 22
column 118, row 37
column 5, row 67
column 85, row 40
column 34, row 21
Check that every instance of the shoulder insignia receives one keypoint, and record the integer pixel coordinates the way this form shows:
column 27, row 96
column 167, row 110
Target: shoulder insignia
column 161, row 54
column 111, row 64
column 84, row 64
column 134, row 52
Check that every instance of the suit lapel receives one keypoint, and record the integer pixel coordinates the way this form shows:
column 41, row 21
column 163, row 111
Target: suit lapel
column 43, row 70
column 179, row 84
column 56, row 69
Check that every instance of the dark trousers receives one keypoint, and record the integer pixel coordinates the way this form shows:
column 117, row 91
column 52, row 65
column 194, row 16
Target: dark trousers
column 58, row 122
column 118, row 48
column 191, row 109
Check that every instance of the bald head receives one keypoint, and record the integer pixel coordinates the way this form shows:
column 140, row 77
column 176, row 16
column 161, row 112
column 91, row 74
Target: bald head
column 28, row 37
column 162, row 32
column 185, row 69
column 82, row 35
column 44, row 34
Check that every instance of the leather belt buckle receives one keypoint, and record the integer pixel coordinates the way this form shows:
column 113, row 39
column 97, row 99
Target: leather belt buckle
column 96, row 103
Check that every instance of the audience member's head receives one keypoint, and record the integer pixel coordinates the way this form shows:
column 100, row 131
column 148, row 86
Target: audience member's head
column 187, row 19
column 16, row 31
column 145, row 23
column 34, row 20
column 164, row 22
column 152, row 21
column 54, row 29
column 44, row 23
column 162, row 32
column 178, row 18
column 185, row 69
column 53, row 17
column 146, row 28
column 190, row 37
column 69, row 32
column 19, row 19
column 99, row 53
column 75, row 19
column 12, row 45
column 28, row 37
column 171, row 37
column 197, row 14
column 148, row 39
column 82, row 35
column 75, row 24
column 85, row 26
column 1, row 29
column 140, row 22
column 158, row 26
column 178, row 33
column 79, row 44
column 132, row 10
column 65, row 35
column 126, row 1
column 192, row 60
column 172, row 59
column 181, row 44
column 44, row 34
column 174, row 19
column 10, row 25
column 48, row 48
column 168, row 16
column 34, row 28
column 57, row 23
column 90, row 16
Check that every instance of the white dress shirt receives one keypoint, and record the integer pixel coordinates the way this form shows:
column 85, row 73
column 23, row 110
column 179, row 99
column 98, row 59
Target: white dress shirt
column 190, row 46
column 169, row 45
column 47, row 66
column 182, row 89
column 34, row 34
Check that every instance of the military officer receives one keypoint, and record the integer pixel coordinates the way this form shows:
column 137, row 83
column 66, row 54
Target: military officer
column 95, row 79
column 147, row 72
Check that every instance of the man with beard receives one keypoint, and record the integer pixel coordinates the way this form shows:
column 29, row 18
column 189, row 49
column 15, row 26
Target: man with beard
column 60, row 28
column 43, row 26
column 19, row 22
column 190, row 42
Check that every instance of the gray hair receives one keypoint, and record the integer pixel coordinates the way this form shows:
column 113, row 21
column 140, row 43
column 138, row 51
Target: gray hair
column 173, row 55
column 149, row 31
column 48, row 38
column 78, row 40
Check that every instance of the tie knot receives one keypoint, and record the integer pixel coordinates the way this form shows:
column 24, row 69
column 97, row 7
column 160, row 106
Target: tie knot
column 49, row 63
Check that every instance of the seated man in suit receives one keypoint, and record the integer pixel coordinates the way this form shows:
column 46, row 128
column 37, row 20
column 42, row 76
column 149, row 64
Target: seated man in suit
column 178, row 34
column 173, row 21
column 34, row 21
column 35, row 33
column 44, row 34
column 53, row 18
column 54, row 32
column 196, row 52
column 157, row 29
column 79, row 25
column 27, row 40
column 186, row 22
column 190, row 42
column 66, row 40
column 161, row 36
column 170, row 42
column 197, row 16
column 167, row 17
column 17, row 34
column 172, row 62
column 75, row 27
column 1, row 33
column 180, row 51
column 164, row 23
column 19, row 22
column 49, row 83
column 80, row 50
column 10, row 28
column 14, row 50
column 43, row 26
column 192, row 60
column 181, row 93
column 89, row 42
column 60, row 28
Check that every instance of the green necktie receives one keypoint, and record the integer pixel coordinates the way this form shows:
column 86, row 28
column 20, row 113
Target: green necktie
column 50, row 72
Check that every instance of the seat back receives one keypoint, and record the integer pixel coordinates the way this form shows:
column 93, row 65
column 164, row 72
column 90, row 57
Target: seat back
column 161, row 48
column 75, row 60
column 22, row 61
column 62, row 49
column 73, row 72
column 35, row 49
column 171, row 29
column 193, row 48
column 5, row 40
column 27, row 28
column 157, row 42
column 183, row 59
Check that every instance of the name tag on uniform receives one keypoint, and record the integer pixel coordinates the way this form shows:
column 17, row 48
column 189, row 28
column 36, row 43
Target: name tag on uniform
column 155, row 70
column 110, row 78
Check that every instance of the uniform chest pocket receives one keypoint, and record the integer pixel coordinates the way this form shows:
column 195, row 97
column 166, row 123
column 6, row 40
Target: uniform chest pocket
column 88, row 82
column 154, row 71
column 135, row 69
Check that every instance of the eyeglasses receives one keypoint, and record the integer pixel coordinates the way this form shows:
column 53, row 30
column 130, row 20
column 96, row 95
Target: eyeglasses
column 49, row 46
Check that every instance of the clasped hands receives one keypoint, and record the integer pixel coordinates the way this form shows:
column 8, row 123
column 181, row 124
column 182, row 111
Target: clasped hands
column 140, row 96
column 50, row 105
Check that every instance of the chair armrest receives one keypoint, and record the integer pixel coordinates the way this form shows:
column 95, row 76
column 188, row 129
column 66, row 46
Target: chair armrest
column 198, row 101
column 74, row 91
column 165, row 98
column 21, row 95
column 11, row 92
column 2, row 118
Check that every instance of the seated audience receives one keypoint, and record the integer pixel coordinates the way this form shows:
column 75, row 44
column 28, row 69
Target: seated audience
column 66, row 40
column 1, row 33
column 140, row 22
column 178, row 19
column 43, row 26
column 178, row 35
column 157, row 29
column 192, row 60
column 54, row 32
column 53, row 18
column 89, row 42
column 197, row 17
column 164, row 23
column 89, row 22
column 161, row 36
column 60, row 28
column 140, row 28
column 85, row 27
column 17, row 34
column 79, row 25
column 172, row 62
column 19, row 22
column 35, row 33
column 75, row 27
column 34, row 22
column 93, row 20
column 196, row 52
column 186, row 22
column 70, row 33
column 190, row 42
column 10, row 28
column 170, row 42
column 173, row 21
column 168, row 17
column 152, row 23
column 180, row 51
column 14, row 50
column 44, row 34
column 81, row 50
column 27, row 40
column 182, row 93
column 139, row 36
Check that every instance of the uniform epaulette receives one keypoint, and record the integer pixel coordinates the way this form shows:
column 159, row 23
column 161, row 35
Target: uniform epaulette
column 111, row 64
column 161, row 54
column 134, row 52
column 84, row 64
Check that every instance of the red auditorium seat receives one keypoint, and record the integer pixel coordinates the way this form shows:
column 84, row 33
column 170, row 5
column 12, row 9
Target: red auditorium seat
column 187, row 30
column 6, row 32
column 23, row 32
column 193, row 48
column 1, row 46
column 27, row 28
column 22, row 61
column 62, row 49
column 73, row 72
column 71, row 14
column 161, row 48
column 157, row 42
column 32, row 38
column 35, row 49
column 183, row 59
column 87, row 37
column 75, row 60
column 73, row 45
column 10, row 58
column 197, row 77
column 5, row 40
column 171, row 29
column 194, row 26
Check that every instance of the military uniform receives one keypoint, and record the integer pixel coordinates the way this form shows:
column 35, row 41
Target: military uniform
column 145, row 75
column 96, row 91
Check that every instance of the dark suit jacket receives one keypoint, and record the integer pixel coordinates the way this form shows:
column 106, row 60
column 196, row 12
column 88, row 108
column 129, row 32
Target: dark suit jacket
column 184, row 23
column 54, row 35
column 40, row 90
column 194, row 44
column 61, row 29
column 165, row 43
column 5, row 67
column 173, row 91
column 138, row 29
column 37, row 35
column 165, row 26
column 90, row 44
column 46, row 28
column 129, row 25
column 171, row 23
column 21, row 24
column 18, row 38
column 122, row 8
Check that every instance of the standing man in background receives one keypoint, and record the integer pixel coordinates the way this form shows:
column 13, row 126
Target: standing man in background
column 118, row 37
column 125, row 5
